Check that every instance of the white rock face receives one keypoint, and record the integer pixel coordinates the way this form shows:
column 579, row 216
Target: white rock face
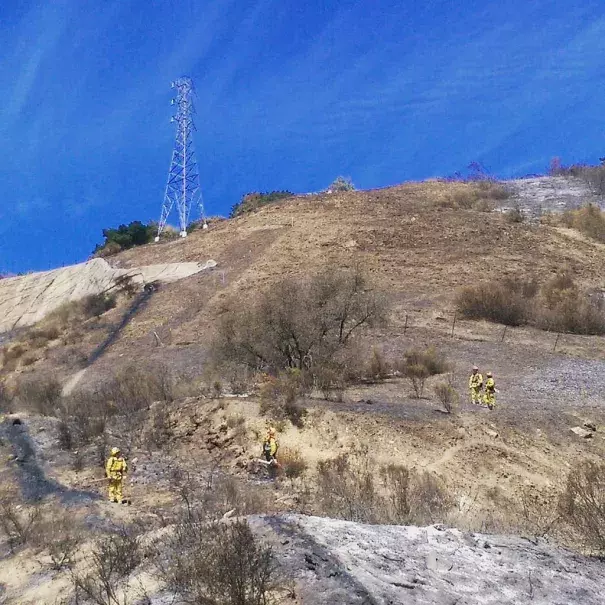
column 25, row 300
column 396, row 565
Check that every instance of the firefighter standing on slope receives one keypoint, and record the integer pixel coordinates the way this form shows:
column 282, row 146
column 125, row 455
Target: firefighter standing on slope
column 475, row 384
column 490, row 391
column 115, row 470
column 270, row 447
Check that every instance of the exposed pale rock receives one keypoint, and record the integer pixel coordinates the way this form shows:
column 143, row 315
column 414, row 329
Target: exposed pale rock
column 27, row 299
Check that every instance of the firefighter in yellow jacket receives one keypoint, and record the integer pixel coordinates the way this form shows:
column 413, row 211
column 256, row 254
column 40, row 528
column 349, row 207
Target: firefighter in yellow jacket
column 490, row 391
column 115, row 470
column 475, row 384
column 270, row 447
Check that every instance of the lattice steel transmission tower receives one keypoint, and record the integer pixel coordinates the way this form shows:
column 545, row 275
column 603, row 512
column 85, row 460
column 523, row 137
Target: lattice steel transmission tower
column 183, row 187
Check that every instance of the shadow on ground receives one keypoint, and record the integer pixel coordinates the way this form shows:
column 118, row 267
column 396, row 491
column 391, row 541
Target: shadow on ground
column 32, row 479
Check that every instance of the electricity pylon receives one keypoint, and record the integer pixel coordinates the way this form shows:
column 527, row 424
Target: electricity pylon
column 183, row 186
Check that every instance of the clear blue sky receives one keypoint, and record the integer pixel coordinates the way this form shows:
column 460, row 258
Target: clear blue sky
column 290, row 95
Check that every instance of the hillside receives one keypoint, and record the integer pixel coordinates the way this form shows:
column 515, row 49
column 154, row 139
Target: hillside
column 414, row 248
column 143, row 368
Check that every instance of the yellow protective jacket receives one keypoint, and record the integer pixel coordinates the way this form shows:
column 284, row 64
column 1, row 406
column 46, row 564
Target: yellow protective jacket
column 490, row 385
column 270, row 446
column 475, row 381
column 116, row 467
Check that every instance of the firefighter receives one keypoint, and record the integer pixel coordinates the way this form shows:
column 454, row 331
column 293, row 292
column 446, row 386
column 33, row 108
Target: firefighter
column 115, row 470
column 490, row 391
column 270, row 447
column 475, row 384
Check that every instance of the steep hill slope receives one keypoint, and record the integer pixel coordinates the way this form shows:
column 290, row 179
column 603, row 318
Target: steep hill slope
column 406, row 237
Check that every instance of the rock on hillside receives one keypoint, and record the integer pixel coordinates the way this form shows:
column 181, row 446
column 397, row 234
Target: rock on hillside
column 348, row 563
column 25, row 300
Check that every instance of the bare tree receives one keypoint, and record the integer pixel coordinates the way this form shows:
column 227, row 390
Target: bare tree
column 299, row 323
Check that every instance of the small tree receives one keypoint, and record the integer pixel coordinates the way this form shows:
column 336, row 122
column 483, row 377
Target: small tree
column 447, row 395
column 417, row 366
column 342, row 183
column 417, row 375
column 299, row 323
column 123, row 237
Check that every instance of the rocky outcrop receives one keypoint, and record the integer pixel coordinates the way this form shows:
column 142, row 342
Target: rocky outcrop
column 26, row 299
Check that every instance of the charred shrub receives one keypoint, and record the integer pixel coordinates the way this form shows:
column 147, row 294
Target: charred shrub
column 583, row 504
column 219, row 563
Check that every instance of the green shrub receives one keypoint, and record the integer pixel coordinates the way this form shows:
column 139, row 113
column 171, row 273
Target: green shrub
column 125, row 237
column 97, row 304
column 253, row 201
column 341, row 183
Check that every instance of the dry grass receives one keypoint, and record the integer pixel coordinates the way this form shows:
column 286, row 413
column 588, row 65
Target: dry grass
column 475, row 195
column 559, row 305
column 582, row 504
column 348, row 488
column 292, row 462
column 515, row 215
column 402, row 246
column 38, row 395
column 505, row 303
column 589, row 220
column 378, row 367
column 280, row 395
column 63, row 323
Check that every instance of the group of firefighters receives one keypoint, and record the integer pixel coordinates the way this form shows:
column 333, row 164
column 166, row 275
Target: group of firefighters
column 116, row 466
column 481, row 393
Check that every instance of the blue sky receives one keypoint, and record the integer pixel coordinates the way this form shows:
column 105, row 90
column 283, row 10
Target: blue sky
column 290, row 94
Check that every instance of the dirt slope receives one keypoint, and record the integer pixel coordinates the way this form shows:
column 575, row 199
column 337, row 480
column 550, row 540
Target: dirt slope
column 414, row 248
